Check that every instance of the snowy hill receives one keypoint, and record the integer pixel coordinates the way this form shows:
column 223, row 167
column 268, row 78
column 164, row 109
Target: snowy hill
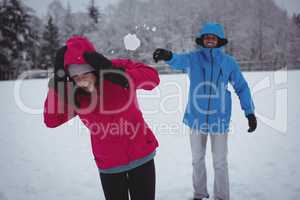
column 40, row 163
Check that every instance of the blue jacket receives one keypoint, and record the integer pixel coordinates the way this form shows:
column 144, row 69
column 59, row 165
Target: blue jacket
column 210, row 71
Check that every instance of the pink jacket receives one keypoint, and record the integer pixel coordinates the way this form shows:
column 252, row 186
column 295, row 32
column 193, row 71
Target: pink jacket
column 117, row 138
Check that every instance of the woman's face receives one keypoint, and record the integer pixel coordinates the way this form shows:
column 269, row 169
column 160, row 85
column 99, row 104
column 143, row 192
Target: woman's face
column 86, row 81
column 210, row 41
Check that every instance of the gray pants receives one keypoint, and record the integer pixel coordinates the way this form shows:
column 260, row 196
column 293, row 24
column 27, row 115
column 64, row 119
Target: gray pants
column 219, row 148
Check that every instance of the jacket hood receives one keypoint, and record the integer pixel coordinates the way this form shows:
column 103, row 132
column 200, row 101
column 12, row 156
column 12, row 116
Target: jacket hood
column 76, row 46
column 212, row 28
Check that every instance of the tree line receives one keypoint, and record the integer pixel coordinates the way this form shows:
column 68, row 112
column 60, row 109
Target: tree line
column 258, row 31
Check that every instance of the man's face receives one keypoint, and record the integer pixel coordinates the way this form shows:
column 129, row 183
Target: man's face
column 85, row 81
column 210, row 41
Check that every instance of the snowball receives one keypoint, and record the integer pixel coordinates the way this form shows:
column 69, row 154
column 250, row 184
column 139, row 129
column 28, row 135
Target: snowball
column 153, row 29
column 131, row 42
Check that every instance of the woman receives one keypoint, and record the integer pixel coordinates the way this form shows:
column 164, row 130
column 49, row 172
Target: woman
column 102, row 93
column 208, row 110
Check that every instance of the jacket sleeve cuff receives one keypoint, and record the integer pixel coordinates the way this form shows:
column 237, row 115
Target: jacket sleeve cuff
column 248, row 112
column 170, row 62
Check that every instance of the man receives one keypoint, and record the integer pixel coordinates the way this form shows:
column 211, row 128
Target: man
column 209, row 104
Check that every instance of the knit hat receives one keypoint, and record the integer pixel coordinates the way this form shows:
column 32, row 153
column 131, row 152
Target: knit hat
column 77, row 69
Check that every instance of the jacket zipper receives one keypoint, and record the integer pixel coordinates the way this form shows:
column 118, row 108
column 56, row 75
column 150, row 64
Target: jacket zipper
column 204, row 78
column 211, row 80
column 220, row 73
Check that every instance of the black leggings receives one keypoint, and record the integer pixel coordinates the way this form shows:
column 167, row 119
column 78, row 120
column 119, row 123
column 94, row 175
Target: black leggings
column 139, row 182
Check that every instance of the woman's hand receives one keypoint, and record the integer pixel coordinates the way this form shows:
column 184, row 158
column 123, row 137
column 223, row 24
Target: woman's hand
column 252, row 122
column 100, row 63
column 162, row 54
column 97, row 60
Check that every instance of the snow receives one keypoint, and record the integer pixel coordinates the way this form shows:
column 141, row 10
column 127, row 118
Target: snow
column 41, row 163
column 21, row 38
column 131, row 42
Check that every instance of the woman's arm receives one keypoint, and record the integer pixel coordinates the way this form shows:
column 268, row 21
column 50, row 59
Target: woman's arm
column 141, row 75
column 56, row 110
column 241, row 88
column 181, row 61
column 118, row 71
column 175, row 60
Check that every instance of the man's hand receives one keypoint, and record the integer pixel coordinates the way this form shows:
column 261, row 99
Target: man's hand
column 162, row 54
column 252, row 122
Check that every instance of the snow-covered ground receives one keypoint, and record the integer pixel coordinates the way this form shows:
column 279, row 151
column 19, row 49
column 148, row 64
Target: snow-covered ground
column 40, row 163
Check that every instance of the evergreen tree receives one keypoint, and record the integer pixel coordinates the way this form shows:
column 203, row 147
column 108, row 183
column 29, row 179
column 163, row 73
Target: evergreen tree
column 295, row 40
column 17, row 39
column 50, row 44
column 93, row 12
column 57, row 11
column 69, row 27
column 296, row 19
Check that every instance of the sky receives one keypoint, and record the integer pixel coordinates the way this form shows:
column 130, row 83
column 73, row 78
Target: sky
column 292, row 6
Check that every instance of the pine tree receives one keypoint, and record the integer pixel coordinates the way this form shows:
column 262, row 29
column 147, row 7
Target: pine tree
column 295, row 40
column 296, row 19
column 3, row 43
column 69, row 27
column 93, row 12
column 50, row 44
column 17, row 38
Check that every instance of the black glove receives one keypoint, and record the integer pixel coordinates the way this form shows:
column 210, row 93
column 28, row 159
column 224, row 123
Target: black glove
column 117, row 76
column 252, row 122
column 100, row 62
column 162, row 54
column 97, row 61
